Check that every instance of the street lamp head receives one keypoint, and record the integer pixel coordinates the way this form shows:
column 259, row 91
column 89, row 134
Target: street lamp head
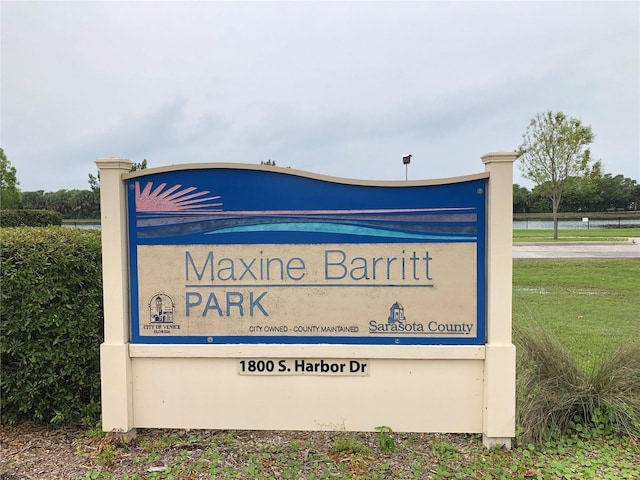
column 406, row 159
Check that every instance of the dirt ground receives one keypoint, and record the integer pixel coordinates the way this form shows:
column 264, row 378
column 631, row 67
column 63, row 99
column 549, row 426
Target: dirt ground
column 30, row 451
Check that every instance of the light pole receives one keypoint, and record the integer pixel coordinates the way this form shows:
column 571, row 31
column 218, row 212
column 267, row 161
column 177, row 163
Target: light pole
column 406, row 159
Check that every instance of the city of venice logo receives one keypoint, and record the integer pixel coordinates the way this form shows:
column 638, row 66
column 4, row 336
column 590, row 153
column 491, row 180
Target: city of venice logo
column 161, row 308
column 396, row 323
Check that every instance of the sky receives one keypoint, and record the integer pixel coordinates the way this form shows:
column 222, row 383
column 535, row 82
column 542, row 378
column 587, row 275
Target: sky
column 336, row 88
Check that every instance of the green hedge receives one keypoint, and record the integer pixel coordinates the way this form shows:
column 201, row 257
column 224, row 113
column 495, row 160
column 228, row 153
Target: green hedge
column 29, row 218
column 52, row 324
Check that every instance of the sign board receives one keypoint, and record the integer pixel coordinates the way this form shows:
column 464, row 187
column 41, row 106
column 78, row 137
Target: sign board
column 328, row 299
column 236, row 254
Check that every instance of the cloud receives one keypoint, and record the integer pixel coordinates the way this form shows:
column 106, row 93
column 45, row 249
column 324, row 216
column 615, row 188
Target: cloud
column 340, row 88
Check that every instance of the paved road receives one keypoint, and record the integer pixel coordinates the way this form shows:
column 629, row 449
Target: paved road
column 630, row 249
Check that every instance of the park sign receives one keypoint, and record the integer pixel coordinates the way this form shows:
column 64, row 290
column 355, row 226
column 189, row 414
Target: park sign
column 340, row 304
column 228, row 253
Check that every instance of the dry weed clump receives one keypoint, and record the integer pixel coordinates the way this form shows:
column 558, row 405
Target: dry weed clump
column 556, row 396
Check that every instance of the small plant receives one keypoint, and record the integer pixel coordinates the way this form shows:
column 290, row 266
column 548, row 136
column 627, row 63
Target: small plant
column 95, row 431
column 90, row 476
column 385, row 440
column 443, row 449
column 350, row 445
column 106, row 454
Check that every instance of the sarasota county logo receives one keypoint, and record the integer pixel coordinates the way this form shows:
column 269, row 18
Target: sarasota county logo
column 396, row 323
column 396, row 314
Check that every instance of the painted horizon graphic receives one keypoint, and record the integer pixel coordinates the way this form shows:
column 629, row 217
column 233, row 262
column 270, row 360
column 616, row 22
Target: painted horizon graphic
column 190, row 212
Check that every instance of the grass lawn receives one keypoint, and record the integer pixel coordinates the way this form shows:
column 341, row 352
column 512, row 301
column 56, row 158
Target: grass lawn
column 590, row 305
column 577, row 235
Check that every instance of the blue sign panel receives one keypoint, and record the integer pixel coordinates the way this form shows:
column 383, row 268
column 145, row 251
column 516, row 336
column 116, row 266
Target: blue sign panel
column 238, row 254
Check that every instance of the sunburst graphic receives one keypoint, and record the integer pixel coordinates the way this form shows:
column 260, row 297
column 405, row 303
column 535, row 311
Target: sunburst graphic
column 175, row 199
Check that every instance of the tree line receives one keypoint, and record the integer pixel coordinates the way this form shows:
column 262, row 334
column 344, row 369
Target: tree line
column 70, row 204
column 595, row 192
column 80, row 204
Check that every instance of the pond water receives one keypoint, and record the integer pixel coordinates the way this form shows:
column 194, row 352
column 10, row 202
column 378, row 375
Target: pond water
column 575, row 224
column 84, row 226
